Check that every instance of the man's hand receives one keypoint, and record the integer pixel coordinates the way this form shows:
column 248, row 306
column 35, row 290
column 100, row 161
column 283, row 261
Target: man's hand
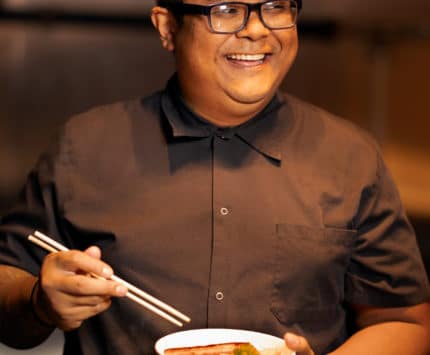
column 67, row 294
column 298, row 344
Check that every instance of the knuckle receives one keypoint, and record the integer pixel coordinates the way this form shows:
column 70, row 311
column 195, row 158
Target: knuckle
column 80, row 283
column 49, row 258
column 74, row 256
column 104, row 305
column 93, row 301
column 96, row 301
column 99, row 307
column 46, row 282
column 113, row 289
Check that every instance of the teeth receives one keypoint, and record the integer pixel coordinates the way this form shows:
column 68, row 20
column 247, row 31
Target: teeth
column 250, row 57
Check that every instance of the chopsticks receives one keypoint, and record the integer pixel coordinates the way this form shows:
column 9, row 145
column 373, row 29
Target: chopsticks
column 135, row 294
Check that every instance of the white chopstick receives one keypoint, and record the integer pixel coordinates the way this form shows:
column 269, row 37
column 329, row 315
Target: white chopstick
column 134, row 293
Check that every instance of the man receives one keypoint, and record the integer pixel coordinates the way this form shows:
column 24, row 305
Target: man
column 242, row 207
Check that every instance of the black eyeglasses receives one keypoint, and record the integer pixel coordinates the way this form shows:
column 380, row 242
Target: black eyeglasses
column 232, row 17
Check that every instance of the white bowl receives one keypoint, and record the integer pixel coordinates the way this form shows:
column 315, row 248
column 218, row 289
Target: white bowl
column 211, row 336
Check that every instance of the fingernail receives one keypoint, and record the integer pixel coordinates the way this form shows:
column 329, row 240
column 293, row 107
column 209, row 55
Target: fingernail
column 121, row 290
column 292, row 339
column 106, row 272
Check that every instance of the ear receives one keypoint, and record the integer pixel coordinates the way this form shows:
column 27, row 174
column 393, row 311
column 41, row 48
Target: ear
column 165, row 23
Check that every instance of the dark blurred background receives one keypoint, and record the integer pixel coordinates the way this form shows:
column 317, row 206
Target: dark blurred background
column 365, row 60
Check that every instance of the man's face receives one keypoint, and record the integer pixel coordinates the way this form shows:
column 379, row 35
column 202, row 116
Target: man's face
column 231, row 74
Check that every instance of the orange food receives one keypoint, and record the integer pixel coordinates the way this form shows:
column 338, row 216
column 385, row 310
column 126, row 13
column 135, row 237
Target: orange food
column 215, row 349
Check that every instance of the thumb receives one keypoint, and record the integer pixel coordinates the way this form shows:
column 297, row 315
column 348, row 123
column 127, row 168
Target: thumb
column 298, row 344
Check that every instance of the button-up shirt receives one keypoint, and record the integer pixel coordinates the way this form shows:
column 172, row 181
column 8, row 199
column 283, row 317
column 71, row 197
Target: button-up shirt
column 274, row 225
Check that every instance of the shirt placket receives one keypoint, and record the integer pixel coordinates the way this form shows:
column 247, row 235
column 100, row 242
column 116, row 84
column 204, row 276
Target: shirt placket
column 218, row 299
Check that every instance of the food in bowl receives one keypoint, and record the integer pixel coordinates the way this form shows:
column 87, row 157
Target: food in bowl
column 220, row 341
column 216, row 349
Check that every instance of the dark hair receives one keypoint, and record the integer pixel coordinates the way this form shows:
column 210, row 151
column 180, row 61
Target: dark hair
column 171, row 3
column 166, row 3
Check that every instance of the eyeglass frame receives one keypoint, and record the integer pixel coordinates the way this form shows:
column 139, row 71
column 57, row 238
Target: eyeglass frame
column 196, row 9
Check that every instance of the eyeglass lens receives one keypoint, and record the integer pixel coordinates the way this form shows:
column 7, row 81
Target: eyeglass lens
column 232, row 17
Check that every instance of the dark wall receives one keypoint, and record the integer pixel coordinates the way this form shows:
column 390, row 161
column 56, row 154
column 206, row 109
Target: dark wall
column 49, row 71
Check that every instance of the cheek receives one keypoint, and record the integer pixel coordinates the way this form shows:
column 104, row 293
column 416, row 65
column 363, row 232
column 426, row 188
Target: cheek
column 199, row 55
column 207, row 58
column 289, row 49
column 289, row 44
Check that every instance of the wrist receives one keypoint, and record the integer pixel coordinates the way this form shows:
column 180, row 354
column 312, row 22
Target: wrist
column 35, row 307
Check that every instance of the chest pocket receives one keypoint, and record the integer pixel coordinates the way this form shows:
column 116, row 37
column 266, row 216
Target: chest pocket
column 309, row 273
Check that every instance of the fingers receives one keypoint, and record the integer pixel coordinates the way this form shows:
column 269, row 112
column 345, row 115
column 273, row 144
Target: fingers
column 68, row 272
column 72, row 317
column 298, row 344
column 94, row 252
column 83, row 285
column 68, row 294
column 85, row 301
column 81, row 262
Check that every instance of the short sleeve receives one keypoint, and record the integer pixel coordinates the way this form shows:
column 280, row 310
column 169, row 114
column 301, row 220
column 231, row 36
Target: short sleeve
column 36, row 209
column 386, row 268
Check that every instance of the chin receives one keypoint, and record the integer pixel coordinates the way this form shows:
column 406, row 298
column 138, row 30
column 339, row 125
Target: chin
column 251, row 97
column 251, row 91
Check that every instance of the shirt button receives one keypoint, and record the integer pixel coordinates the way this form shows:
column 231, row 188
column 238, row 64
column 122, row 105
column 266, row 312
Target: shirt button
column 219, row 296
column 224, row 211
column 222, row 136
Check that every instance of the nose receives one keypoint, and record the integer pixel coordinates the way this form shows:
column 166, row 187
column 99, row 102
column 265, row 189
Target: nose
column 254, row 28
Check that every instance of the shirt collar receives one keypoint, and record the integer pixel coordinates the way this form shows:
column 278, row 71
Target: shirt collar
column 262, row 133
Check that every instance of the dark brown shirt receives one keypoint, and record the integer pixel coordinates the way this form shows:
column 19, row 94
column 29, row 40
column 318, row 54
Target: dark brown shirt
column 271, row 226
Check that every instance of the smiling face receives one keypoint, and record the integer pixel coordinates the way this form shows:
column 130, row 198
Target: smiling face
column 229, row 78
